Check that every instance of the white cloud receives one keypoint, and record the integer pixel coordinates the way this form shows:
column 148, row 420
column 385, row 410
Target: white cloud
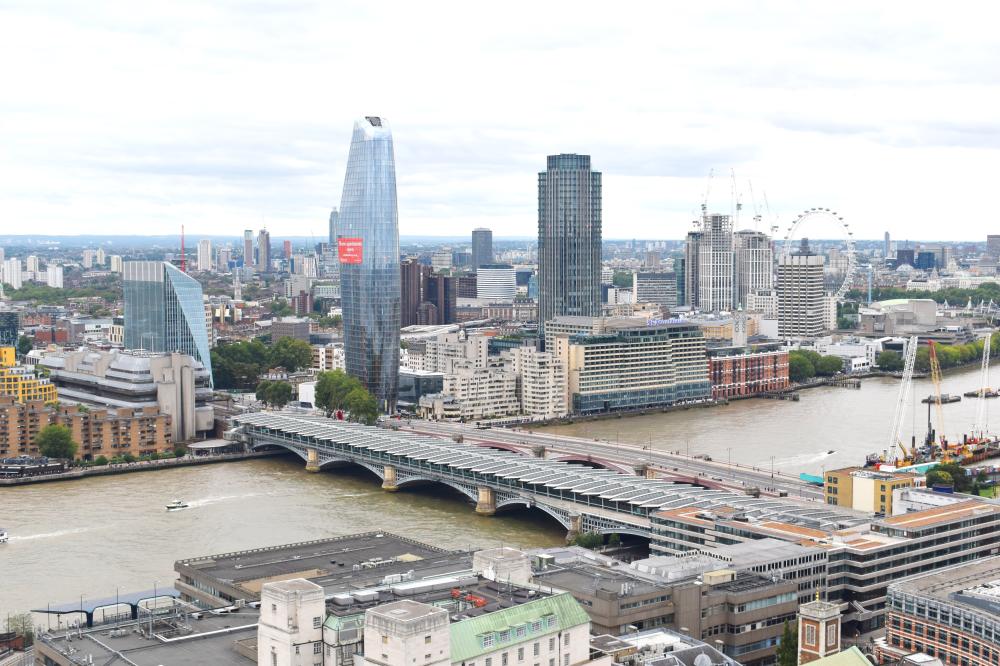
column 225, row 115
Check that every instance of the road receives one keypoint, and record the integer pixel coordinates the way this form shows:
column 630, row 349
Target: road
column 667, row 464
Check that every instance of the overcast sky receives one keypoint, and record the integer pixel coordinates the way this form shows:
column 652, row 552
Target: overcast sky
column 119, row 117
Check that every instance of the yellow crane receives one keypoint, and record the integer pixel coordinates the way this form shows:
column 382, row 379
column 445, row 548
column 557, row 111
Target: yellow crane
column 936, row 399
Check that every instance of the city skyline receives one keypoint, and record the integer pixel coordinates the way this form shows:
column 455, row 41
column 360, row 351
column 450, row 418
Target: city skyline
column 828, row 114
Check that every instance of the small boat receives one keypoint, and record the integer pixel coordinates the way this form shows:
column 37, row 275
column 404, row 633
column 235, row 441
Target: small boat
column 176, row 505
column 3, row 535
column 830, row 452
column 987, row 393
column 944, row 399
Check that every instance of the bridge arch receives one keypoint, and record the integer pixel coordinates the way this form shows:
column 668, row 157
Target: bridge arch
column 596, row 463
column 500, row 446
column 467, row 492
column 527, row 504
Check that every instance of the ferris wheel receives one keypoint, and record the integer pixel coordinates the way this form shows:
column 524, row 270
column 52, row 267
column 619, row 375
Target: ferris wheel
column 827, row 215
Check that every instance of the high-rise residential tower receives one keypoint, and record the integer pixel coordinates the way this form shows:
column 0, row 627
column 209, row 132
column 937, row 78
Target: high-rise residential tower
column 248, row 258
column 205, row 255
column 754, row 264
column 482, row 247
column 368, row 247
column 263, row 251
column 715, row 263
column 887, row 247
column 164, row 310
column 802, row 310
column 334, row 226
column 569, row 239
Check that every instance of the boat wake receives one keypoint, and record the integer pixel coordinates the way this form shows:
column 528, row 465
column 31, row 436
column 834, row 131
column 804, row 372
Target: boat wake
column 216, row 500
column 49, row 535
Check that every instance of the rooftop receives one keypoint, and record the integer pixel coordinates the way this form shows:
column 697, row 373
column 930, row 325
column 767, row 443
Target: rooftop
column 974, row 585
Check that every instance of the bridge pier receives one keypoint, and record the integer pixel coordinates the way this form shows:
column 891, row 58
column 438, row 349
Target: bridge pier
column 312, row 460
column 487, row 504
column 389, row 479
column 575, row 526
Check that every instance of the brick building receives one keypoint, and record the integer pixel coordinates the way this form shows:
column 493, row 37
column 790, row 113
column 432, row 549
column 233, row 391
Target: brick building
column 738, row 372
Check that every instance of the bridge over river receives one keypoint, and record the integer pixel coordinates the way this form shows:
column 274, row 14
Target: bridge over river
column 581, row 498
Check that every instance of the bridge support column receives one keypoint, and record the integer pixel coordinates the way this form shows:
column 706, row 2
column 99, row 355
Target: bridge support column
column 575, row 525
column 487, row 504
column 312, row 460
column 389, row 479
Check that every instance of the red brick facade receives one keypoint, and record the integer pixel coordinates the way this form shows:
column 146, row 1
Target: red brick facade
column 742, row 375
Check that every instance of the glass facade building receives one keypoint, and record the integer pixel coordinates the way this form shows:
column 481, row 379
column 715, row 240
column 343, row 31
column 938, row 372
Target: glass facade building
column 164, row 311
column 369, row 256
column 569, row 239
column 9, row 321
column 482, row 247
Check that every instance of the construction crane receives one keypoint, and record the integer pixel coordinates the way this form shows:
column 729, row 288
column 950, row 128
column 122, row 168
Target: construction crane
column 984, row 387
column 909, row 359
column 936, row 399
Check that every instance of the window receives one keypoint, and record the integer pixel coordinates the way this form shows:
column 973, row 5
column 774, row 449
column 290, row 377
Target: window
column 536, row 625
column 831, row 635
column 520, row 654
column 274, row 659
column 488, row 641
column 503, row 659
column 520, row 631
column 274, row 609
column 566, row 639
column 535, row 649
column 566, row 659
column 489, row 661
column 810, row 635
column 317, row 648
column 552, row 644
column 317, row 622
column 297, row 649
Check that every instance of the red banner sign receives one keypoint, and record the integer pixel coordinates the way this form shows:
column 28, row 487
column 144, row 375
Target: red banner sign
column 350, row 250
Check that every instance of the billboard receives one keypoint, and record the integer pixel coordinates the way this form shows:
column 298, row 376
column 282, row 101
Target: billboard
column 350, row 250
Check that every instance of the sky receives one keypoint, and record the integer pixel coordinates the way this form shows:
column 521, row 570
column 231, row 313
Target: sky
column 125, row 117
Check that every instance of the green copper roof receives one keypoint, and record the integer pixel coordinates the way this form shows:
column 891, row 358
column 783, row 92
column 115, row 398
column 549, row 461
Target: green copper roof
column 849, row 657
column 465, row 635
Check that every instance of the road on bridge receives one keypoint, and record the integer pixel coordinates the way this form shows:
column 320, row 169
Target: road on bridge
column 667, row 464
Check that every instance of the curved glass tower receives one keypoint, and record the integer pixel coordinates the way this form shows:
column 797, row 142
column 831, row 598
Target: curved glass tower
column 368, row 249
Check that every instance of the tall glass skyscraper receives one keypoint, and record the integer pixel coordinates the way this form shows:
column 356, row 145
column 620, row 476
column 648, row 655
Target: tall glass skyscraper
column 482, row 247
column 164, row 311
column 368, row 248
column 569, row 239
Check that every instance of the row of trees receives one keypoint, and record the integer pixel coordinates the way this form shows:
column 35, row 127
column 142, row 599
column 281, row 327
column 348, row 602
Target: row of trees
column 237, row 365
column 984, row 292
column 338, row 391
column 804, row 364
column 949, row 356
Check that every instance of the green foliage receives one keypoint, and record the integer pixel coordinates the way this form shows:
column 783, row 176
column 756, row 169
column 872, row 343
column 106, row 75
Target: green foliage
column 946, row 473
column 800, row 368
column 622, row 279
column 24, row 345
column 237, row 365
column 279, row 394
column 591, row 540
column 40, row 293
column 829, row 366
column 261, row 391
column 56, row 441
column 889, row 361
column 20, row 624
column 361, row 406
column 291, row 354
column 954, row 296
column 330, row 322
column 101, row 460
column 180, row 451
column 337, row 390
column 787, row 653
column 279, row 308
column 938, row 478
column 615, row 540
column 950, row 356
column 128, row 457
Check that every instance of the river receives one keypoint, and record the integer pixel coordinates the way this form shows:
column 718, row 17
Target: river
column 799, row 435
column 93, row 535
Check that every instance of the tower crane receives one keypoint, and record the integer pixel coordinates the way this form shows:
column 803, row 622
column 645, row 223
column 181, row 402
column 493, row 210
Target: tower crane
column 984, row 388
column 909, row 358
column 936, row 399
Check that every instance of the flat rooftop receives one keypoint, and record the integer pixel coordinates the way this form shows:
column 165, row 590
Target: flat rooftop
column 581, row 577
column 974, row 585
column 942, row 514
column 336, row 564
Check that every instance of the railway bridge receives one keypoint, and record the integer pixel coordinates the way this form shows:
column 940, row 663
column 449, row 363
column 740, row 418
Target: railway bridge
column 581, row 498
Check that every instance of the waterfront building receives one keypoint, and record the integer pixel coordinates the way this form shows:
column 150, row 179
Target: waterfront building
column 297, row 328
column 165, row 311
column 754, row 264
column 740, row 372
column 205, row 255
column 635, row 365
column 476, row 393
column 569, row 239
column 450, row 351
column 177, row 385
column 369, row 257
column 263, row 251
column 541, row 382
column 950, row 614
column 802, row 307
column 656, row 287
column 248, row 253
column 22, row 384
column 414, row 384
column 97, row 432
column 573, row 326
column 482, row 247
column 865, row 490
column 898, row 316
column 290, row 627
column 496, row 282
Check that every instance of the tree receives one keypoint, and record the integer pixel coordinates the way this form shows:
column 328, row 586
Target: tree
column 787, row 653
column 279, row 394
column 800, row 369
column 829, row 366
column 20, row 624
column 261, row 392
column 280, row 308
column 101, row 460
column 56, row 441
column 622, row 279
column 362, row 406
column 291, row 354
column 889, row 361
column 332, row 389
column 24, row 345
column 947, row 473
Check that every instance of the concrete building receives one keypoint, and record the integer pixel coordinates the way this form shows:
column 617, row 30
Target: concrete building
column 482, row 247
column 10, row 272
column 451, row 351
column 763, row 302
column 865, row 490
column 712, row 251
column 97, row 432
column 496, row 282
column 802, row 310
column 249, row 256
column 328, row 357
column 205, row 255
column 950, row 614
column 739, row 372
column 634, row 365
column 541, row 382
column 54, row 276
column 480, row 393
column 290, row 627
column 117, row 263
column 754, row 263
column 297, row 328
column 656, row 287
column 899, row 317
column 569, row 239
column 175, row 384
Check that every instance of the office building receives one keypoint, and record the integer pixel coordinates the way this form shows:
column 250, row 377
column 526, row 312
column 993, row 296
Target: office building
column 369, row 257
column 950, row 614
column 754, row 264
column 204, row 255
column 54, row 276
column 263, row 251
column 482, row 247
column 165, row 311
column 248, row 253
column 802, row 308
column 334, row 231
column 656, row 287
column 467, row 286
column 175, row 384
column 10, row 321
column 297, row 328
column 411, row 282
column 97, row 432
column 763, row 302
column 887, row 245
column 496, row 282
column 569, row 239
column 865, row 490
column 716, row 260
column 634, row 364
column 441, row 291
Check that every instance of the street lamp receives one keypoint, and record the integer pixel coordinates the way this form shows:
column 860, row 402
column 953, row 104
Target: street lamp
column 150, row 609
